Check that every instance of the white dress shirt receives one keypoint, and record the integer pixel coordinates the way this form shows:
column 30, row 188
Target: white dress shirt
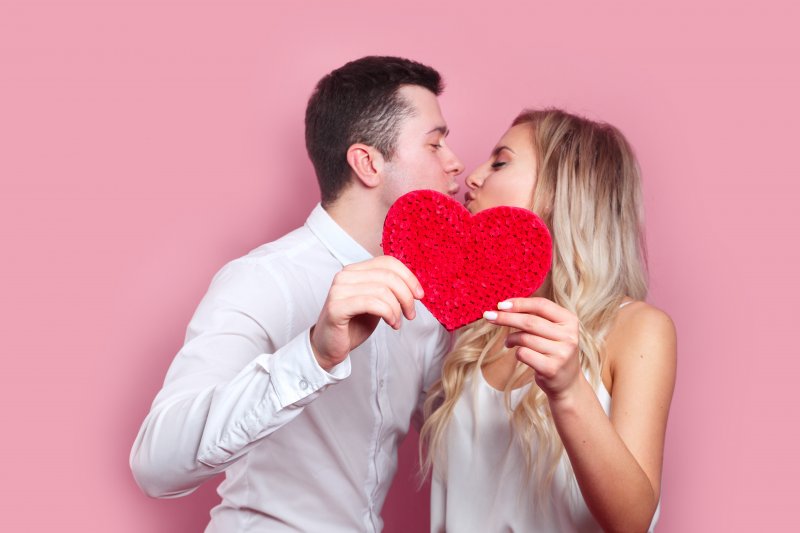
column 302, row 449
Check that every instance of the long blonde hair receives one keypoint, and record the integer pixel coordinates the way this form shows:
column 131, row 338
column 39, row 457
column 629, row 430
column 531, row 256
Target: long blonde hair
column 588, row 192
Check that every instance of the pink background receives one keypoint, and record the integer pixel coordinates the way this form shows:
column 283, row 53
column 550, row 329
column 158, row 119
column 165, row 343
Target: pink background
column 144, row 144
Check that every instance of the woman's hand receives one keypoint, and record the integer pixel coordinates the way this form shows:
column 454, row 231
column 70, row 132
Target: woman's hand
column 547, row 341
column 617, row 456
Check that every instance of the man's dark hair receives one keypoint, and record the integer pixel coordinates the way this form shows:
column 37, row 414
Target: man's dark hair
column 359, row 103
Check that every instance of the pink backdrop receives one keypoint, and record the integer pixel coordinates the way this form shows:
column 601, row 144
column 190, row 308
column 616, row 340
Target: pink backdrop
column 144, row 144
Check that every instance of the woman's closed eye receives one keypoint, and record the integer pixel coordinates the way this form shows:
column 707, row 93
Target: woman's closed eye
column 499, row 164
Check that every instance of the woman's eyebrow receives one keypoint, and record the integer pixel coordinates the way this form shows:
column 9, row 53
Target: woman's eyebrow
column 499, row 149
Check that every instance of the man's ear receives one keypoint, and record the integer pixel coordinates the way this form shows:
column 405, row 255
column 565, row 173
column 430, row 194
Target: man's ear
column 367, row 164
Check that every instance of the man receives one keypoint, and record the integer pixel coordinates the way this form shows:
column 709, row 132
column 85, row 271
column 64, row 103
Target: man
column 299, row 374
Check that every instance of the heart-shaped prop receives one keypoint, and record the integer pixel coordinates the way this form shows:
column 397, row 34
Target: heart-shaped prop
column 466, row 264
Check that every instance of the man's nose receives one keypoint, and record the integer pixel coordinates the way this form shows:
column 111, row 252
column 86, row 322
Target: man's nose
column 455, row 167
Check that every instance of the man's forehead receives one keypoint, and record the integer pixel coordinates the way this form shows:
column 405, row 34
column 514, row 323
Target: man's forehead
column 425, row 117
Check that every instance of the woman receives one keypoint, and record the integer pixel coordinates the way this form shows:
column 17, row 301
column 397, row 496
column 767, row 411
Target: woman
column 520, row 431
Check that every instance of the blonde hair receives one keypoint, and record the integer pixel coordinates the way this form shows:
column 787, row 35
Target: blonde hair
column 588, row 192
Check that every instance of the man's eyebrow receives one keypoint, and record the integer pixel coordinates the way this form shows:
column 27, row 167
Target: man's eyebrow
column 441, row 129
column 499, row 149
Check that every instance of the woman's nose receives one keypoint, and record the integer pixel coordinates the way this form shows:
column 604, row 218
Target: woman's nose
column 474, row 180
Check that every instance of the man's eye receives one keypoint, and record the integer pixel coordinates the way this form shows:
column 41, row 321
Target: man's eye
column 498, row 164
column 437, row 146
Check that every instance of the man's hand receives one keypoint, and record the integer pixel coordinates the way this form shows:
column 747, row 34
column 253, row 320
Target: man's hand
column 360, row 296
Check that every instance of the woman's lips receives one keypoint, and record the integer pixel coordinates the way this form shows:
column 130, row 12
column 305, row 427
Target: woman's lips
column 468, row 199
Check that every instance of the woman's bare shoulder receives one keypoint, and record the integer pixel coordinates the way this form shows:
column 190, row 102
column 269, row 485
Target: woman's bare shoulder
column 642, row 333
column 640, row 314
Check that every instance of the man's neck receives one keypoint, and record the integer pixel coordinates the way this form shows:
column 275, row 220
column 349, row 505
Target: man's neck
column 362, row 219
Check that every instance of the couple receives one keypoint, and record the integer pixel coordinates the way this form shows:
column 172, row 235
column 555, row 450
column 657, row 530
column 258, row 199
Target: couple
column 308, row 358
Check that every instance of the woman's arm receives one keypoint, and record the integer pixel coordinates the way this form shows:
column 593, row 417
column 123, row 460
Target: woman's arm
column 616, row 460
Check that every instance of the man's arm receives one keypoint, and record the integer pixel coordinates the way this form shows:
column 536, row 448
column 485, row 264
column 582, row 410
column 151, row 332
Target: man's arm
column 229, row 386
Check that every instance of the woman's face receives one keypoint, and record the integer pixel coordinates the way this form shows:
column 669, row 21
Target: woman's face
column 509, row 175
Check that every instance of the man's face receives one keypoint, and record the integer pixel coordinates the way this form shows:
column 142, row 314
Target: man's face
column 422, row 159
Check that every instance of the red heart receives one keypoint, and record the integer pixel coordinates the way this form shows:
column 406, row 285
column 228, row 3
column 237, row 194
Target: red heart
column 467, row 264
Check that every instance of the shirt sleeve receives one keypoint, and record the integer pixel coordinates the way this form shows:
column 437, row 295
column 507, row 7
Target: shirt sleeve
column 230, row 385
column 439, row 344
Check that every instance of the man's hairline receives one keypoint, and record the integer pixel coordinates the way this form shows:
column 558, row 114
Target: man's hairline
column 410, row 111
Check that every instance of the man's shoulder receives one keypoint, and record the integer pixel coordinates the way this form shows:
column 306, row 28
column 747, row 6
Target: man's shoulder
column 298, row 241
column 295, row 251
column 272, row 267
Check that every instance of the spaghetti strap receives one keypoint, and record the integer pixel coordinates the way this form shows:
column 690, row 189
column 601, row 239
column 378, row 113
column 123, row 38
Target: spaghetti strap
column 623, row 304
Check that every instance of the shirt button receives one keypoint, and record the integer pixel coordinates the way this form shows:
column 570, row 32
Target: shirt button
column 303, row 384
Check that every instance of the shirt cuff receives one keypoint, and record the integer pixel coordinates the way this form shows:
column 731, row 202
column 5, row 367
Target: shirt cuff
column 295, row 373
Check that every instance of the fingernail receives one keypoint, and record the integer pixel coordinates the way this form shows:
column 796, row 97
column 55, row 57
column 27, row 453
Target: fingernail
column 420, row 293
column 505, row 305
column 490, row 315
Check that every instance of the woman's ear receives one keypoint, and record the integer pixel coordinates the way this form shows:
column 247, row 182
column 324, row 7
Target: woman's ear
column 366, row 163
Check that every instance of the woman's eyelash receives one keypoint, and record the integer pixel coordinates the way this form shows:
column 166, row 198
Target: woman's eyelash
column 498, row 164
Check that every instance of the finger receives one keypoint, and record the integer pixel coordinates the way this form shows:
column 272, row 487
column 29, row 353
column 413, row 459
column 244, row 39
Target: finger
column 401, row 270
column 395, row 265
column 370, row 305
column 544, row 346
column 386, row 295
column 540, row 363
column 532, row 324
column 387, row 298
column 372, row 281
column 539, row 306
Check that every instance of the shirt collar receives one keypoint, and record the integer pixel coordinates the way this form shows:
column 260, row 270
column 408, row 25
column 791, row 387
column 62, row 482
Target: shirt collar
column 335, row 238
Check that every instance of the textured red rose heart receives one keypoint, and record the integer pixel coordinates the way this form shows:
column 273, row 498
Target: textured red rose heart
column 467, row 264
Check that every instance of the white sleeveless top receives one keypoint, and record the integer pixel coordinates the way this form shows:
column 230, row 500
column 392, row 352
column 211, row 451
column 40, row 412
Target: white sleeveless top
column 483, row 486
